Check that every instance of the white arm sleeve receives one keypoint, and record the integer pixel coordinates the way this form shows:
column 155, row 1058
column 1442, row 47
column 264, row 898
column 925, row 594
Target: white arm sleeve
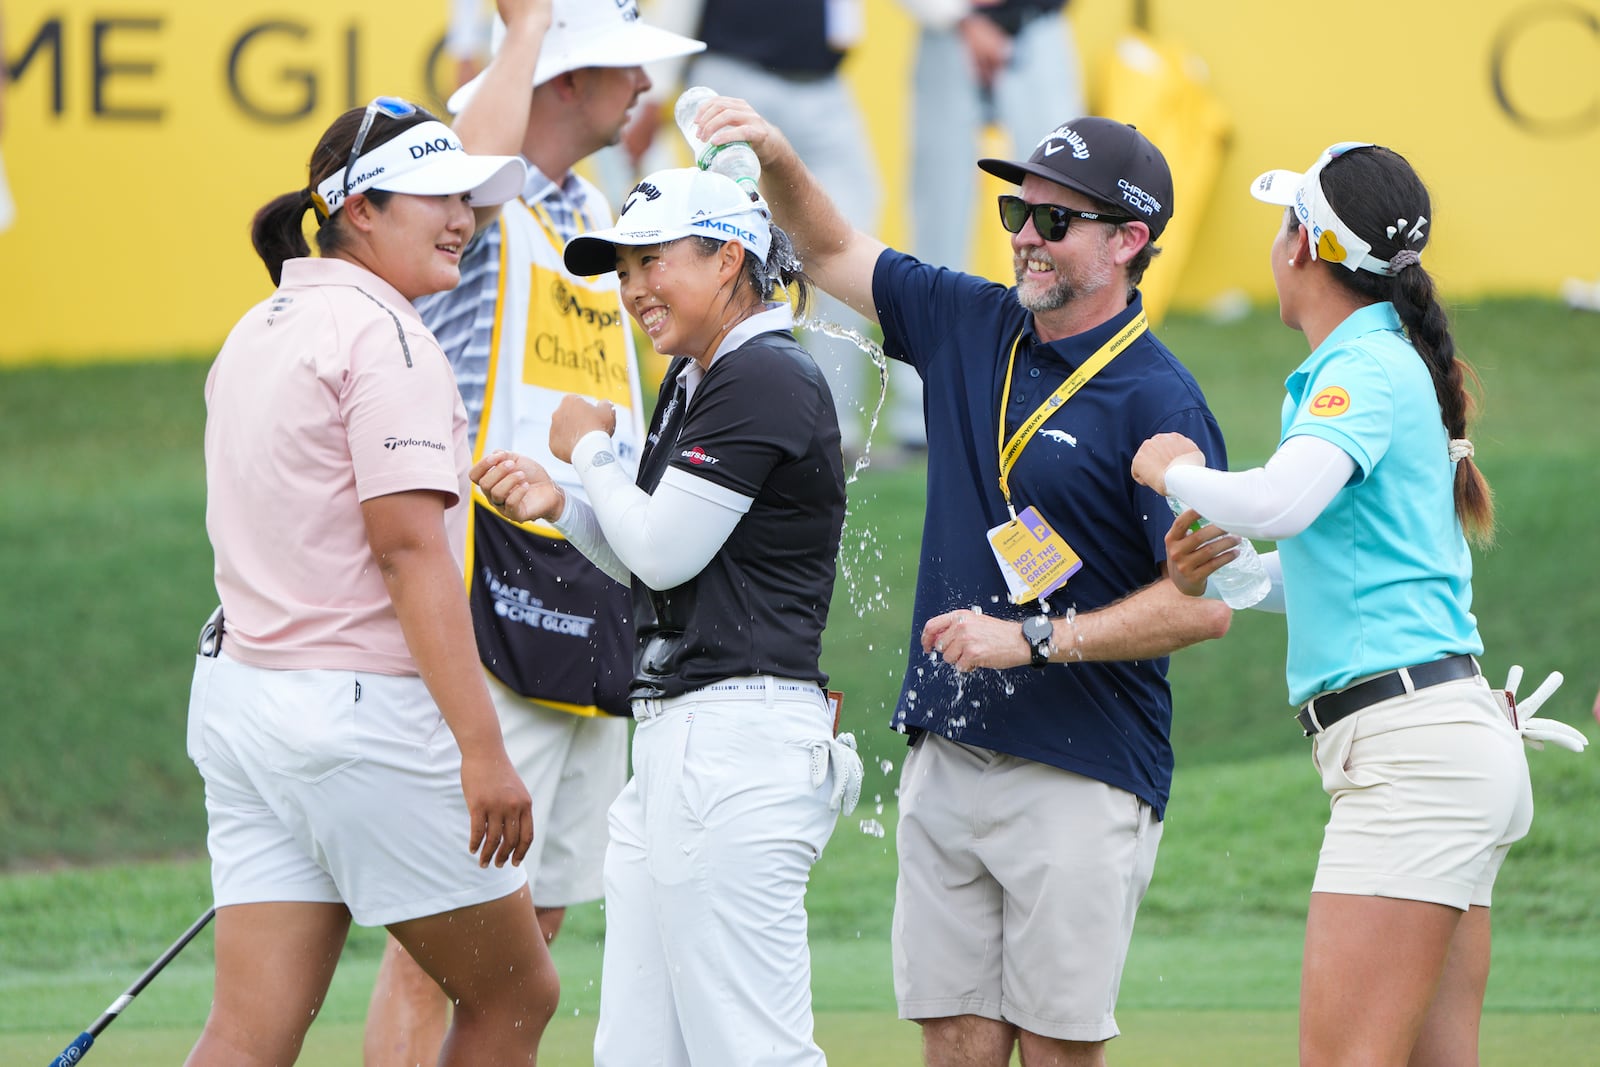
column 1273, row 601
column 1271, row 502
column 663, row 539
column 583, row 532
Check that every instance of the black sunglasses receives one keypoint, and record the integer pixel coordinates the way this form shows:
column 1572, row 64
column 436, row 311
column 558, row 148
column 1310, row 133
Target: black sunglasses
column 1051, row 220
column 392, row 106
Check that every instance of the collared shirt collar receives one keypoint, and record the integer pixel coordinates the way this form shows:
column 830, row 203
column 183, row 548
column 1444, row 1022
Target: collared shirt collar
column 562, row 200
column 1373, row 318
column 1080, row 346
column 778, row 316
column 333, row 271
column 1369, row 319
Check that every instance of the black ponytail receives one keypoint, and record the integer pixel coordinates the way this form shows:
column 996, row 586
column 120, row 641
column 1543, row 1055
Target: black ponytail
column 277, row 230
column 782, row 268
column 277, row 234
column 1379, row 196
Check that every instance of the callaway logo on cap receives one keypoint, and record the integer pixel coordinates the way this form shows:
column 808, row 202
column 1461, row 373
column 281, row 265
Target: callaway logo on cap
column 1102, row 158
column 672, row 204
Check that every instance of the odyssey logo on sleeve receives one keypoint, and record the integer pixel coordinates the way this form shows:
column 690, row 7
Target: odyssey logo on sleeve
column 699, row 456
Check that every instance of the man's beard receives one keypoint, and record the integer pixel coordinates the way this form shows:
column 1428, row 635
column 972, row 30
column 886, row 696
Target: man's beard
column 1057, row 296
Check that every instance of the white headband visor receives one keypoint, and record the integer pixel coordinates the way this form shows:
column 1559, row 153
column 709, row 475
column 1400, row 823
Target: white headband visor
column 1331, row 239
column 427, row 160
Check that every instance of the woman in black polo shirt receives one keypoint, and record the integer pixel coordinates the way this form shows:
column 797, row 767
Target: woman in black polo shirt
column 728, row 540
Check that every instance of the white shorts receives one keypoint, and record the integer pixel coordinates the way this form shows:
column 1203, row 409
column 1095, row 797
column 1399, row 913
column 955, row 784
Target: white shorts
column 1018, row 887
column 1429, row 791
column 334, row 787
column 574, row 767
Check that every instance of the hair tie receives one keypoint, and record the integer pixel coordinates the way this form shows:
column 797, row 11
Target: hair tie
column 1460, row 449
column 1402, row 259
column 315, row 203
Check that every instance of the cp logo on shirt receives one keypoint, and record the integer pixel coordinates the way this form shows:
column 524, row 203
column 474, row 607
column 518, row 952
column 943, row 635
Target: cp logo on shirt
column 1330, row 402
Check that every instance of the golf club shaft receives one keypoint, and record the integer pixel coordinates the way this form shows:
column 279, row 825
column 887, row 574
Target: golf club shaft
column 80, row 1047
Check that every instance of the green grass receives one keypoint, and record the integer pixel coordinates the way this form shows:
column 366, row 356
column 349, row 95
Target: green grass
column 105, row 574
column 1212, row 978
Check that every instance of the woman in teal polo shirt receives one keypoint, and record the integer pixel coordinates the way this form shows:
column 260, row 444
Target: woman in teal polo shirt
column 1372, row 496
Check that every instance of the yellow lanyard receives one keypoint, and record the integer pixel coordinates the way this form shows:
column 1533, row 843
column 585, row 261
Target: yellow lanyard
column 1012, row 449
column 547, row 222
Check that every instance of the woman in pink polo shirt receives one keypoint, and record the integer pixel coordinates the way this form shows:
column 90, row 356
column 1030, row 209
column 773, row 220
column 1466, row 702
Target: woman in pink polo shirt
column 352, row 761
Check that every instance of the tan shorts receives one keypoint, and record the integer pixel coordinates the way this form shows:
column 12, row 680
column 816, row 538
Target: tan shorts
column 1018, row 887
column 1429, row 792
column 574, row 767
column 334, row 786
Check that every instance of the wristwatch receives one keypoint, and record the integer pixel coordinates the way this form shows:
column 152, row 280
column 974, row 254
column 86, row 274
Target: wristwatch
column 1040, row 635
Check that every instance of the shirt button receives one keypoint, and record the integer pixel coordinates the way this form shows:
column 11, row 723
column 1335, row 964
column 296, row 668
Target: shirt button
column 1034, row 373
column 1016, row 398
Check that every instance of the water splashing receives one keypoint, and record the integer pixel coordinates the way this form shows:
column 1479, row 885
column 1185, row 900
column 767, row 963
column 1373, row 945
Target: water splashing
column 874, row 352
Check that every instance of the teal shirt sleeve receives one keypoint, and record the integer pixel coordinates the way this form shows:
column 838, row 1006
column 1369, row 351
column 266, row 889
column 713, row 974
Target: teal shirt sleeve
column 1347, row 399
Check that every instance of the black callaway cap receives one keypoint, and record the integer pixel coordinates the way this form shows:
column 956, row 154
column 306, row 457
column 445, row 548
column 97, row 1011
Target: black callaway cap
column 1108, row 160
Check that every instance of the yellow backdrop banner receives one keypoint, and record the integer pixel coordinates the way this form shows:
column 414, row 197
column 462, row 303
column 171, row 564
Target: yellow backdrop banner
column 141, row 135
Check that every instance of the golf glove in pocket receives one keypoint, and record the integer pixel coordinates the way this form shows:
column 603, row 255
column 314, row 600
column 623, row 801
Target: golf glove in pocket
column 1535, row 732
column 840, row 753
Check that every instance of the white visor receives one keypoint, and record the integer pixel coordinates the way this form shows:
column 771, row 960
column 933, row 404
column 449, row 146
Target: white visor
column 673, row 204
column 427, row 160
column 1331, row 239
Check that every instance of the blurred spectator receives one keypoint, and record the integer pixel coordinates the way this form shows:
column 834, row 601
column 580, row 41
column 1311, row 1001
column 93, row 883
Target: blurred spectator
column 784, row 60
column 1007, row 63
column 467, row 38
column 7, row 208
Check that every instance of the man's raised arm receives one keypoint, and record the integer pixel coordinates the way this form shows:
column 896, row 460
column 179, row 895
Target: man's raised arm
column 838, row 257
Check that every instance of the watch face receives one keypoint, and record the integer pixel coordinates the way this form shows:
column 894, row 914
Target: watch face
column 1036, row 628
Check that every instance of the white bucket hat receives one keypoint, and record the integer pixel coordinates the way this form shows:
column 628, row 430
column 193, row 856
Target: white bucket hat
column 1331, row 239
column 426, row 160
column 672, row 204
column 591, row 33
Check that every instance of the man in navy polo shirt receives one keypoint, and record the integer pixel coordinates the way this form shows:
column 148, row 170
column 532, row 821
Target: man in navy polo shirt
column 1032, row 799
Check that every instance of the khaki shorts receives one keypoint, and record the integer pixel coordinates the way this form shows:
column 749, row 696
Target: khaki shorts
column 1429, row 791
column 1018, row 887
column 334, row 787
column 574, row 766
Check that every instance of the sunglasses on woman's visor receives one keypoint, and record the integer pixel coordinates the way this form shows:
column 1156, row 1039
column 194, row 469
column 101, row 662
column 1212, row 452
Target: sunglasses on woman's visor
column 392, row 106
column 1051, row 220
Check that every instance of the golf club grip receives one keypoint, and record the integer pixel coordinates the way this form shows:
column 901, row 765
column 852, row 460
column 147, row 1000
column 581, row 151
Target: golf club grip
column 74, row 1052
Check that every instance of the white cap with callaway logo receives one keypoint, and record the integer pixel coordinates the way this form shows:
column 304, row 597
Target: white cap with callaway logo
column 672, row 204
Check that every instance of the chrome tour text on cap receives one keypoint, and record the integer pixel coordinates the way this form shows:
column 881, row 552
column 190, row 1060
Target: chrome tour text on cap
column 1108, row 160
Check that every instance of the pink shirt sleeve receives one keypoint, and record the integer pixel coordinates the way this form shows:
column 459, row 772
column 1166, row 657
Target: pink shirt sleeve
column 399, row 405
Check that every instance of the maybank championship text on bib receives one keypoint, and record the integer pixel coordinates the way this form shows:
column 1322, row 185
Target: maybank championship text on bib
column 141, row 135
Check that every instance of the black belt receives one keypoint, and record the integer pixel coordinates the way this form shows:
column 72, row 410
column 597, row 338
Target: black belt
column 1322, row 712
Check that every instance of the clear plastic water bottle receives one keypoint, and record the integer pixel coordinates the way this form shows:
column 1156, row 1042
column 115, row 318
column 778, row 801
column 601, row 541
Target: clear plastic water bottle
column 736, row 160
column 1242, row 582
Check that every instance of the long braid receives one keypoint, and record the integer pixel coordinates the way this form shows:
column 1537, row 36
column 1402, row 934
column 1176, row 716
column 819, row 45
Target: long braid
column 1429, row 331
column 1372, row 189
